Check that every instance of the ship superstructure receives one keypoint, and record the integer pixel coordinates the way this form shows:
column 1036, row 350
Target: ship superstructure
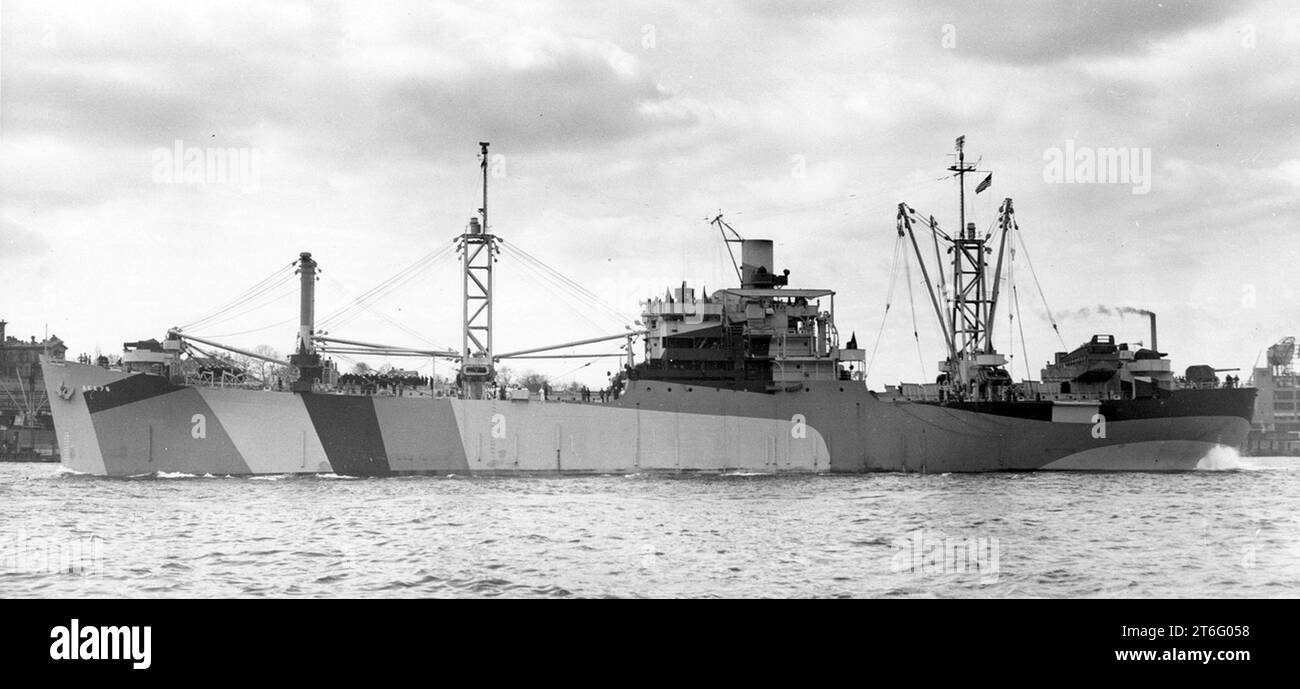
column 762, row 336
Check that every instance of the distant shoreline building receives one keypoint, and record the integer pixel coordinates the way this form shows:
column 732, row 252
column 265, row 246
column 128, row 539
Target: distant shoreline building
column 1276, row 427
column 26, row 427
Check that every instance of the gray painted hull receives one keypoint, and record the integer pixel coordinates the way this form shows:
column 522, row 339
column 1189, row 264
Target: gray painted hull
column 114, row 424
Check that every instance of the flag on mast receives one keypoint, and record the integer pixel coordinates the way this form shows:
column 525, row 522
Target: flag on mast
column 988, row 181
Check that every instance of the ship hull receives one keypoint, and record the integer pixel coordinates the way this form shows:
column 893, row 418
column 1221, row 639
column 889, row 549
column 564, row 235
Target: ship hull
column 115, row 424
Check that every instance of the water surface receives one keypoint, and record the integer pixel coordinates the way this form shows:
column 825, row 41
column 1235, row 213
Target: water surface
column 1222, row 533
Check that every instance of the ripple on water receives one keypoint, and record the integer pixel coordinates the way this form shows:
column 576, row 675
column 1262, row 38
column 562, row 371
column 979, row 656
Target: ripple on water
column 1228, row 531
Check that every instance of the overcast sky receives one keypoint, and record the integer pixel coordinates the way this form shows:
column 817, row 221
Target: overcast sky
column 623, row 127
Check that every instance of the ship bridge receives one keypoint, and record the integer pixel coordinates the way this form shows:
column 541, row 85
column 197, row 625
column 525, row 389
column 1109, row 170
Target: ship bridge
column 759, row 336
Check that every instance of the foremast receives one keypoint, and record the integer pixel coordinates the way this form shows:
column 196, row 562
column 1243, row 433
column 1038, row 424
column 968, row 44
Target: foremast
column 305, row 359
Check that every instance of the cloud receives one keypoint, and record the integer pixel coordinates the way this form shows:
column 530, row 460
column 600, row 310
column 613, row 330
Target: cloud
column 440, row 81
column 623, row 128
column 17, row 242
column 1008, row 31
column 1057, row 30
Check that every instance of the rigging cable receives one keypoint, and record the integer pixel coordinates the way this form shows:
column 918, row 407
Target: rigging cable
column 916, row 217
column 572, row 284
column 889, row 300
column 566, row 374
column 256, row 330
column 565, row 286
column 268, row 284
column 408, row 330
column 1015, row 297
column 346, row 359
column 907, row 267
column 560, row 290
column 347, row 312
column 1016, row 226
column 254, row 307
column 1011, row 312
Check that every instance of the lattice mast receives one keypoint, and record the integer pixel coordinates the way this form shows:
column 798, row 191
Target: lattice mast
column 973, row 366
column 967, row 322
column 478, row 249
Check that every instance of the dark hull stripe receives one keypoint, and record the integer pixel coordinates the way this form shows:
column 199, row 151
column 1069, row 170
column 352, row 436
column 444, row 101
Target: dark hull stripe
column 131, row 389
column 349, row 431
column 1238, row 402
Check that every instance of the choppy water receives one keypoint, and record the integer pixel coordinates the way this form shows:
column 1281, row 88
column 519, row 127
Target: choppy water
column 1224, row 533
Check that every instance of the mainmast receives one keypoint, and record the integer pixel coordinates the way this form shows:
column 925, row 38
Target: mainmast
column 478, row 250
column 968, row 300
column 973, row 369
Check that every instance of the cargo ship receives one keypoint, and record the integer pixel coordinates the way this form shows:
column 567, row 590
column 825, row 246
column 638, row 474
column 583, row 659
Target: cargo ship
column 750, row 378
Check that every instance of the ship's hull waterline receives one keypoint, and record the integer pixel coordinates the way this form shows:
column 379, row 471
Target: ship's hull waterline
column 116, row 424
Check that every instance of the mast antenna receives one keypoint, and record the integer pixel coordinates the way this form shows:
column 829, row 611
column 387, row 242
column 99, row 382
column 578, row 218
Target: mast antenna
column 960, row 168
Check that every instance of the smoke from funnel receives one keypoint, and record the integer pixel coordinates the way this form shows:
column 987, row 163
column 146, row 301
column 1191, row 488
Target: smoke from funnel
column 1102, row 310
